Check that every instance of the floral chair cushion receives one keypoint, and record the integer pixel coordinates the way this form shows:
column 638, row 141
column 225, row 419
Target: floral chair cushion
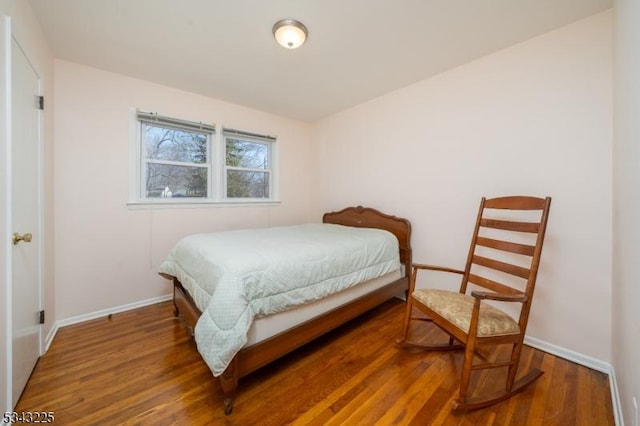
column 457, row 308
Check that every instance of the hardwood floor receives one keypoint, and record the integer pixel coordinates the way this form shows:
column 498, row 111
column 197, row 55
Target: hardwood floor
column 142, row 367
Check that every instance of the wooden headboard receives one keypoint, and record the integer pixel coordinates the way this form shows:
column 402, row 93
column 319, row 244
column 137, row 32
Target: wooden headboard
column 366, row 217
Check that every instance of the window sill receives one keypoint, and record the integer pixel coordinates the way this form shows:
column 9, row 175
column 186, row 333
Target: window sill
column 197, row 204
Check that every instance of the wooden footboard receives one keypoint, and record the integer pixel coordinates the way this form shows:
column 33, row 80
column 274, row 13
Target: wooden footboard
column 260, row 354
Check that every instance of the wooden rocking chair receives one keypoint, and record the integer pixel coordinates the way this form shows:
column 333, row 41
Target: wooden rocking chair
column 502, row 248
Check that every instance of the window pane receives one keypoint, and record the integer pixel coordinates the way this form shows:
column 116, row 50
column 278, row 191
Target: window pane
column 163, row 143
column 250, row 155
column 169, row 181
column 246, row 184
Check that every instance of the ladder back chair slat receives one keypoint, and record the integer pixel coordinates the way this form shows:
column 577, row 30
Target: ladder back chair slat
column 509, row 246
column 517, row 202
column 530, row 227
column 518, row 271
column 492, row 285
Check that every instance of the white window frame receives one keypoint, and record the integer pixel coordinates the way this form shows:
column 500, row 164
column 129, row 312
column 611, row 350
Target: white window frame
column 268, row 141
column 216, row 163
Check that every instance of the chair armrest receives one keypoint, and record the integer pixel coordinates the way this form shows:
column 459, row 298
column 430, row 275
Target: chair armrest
column 501, row 297
column 437, row 268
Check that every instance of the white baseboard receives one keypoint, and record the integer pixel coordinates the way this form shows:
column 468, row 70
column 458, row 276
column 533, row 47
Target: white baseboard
column 578, row 358
column 615, row 398
column 50, row 336
column 102, row 313
column 587, row 361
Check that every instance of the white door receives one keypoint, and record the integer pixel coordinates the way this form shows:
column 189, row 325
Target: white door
column 25, row 213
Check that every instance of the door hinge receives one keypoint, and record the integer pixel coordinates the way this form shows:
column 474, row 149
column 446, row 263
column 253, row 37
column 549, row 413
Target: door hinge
column 40, row 102
column 41, row 317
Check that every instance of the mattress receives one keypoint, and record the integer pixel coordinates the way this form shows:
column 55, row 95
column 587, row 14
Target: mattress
column 272, row 325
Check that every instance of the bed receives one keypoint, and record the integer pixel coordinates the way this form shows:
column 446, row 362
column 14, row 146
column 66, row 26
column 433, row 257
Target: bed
column 266, row 335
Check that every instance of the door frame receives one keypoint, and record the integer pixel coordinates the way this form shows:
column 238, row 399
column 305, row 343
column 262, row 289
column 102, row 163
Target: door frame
column 5, row 213
column 6, row 222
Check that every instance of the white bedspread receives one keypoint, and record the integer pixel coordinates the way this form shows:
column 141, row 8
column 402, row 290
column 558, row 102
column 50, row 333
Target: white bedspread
column 250, row 273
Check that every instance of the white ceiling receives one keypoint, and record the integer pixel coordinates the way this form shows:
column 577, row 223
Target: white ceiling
column 357, row 49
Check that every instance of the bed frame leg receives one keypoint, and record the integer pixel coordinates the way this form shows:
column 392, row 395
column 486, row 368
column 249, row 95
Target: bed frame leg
column 229, row 382
column 228, row 406
column 176, row 311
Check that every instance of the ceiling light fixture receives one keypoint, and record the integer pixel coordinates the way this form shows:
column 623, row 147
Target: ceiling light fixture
column 290, row 33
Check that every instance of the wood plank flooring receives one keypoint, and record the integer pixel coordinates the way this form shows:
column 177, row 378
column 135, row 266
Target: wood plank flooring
column 142, row 368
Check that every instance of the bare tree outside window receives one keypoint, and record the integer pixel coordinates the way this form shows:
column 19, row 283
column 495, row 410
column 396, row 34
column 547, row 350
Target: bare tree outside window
column 176, row 162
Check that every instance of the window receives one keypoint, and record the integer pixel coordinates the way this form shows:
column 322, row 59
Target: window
column 175, row 158
column 247, row 164
column 178, row 161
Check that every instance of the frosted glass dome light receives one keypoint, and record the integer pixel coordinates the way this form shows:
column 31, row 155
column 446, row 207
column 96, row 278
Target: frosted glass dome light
column 290, row 33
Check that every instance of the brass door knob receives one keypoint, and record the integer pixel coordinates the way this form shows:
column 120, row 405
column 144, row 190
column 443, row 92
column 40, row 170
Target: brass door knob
column 17, row 238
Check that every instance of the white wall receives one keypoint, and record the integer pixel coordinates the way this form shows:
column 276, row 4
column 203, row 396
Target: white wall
column 535, row 119
column 626, row 204
column 107, row 254
column 28, row 34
